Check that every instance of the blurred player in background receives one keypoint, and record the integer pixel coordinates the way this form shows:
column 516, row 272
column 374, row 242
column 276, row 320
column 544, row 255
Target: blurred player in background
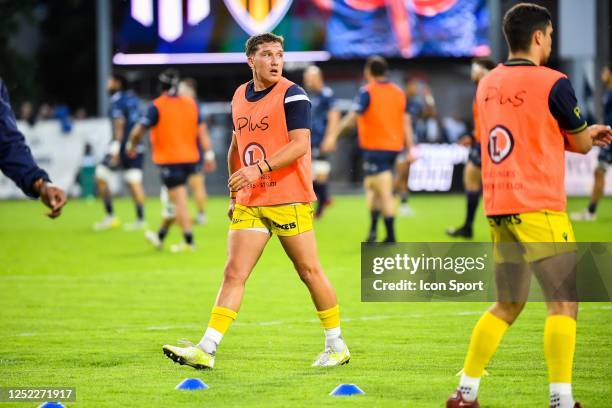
column 604, row 159
column 17, row 163
column 528, row 117
column 124, row 114
column 384, row 129
column 271, row 192
column 472, row 177
column 325, row 117
column 197, row 182
column 173, row 121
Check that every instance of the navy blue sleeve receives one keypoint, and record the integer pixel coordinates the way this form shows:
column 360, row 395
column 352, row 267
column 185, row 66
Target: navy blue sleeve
column 297, row 109
column 16, row 160
column 362, row 101
column 151, row 116
column 117, row 110
column 564, row 107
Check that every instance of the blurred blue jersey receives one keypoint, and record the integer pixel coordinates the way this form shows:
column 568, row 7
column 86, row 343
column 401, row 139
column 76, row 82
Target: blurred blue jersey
column 124, row 105
column 321, row 103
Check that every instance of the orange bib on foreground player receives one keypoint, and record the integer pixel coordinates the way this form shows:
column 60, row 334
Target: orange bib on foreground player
column 261, row 130
column 381, row 126
column 523, row 163
column 173, row 138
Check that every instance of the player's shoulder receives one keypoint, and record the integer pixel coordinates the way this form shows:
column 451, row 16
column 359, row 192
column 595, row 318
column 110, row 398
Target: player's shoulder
column 295, row 93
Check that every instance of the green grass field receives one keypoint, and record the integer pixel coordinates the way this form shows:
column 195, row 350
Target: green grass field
column 92, row 310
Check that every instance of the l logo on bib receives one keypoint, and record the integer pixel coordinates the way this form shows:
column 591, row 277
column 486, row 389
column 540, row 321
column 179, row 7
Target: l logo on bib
column 253, row 154
column 501, row 144
column 258, row 16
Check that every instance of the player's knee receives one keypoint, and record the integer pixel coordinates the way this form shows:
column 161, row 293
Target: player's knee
column 308, row 271
column 563, row 308
column 233, row 275
column 508, row 311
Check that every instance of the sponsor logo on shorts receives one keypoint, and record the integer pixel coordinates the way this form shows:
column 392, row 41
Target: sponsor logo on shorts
column 285, row 227
column 499, row 220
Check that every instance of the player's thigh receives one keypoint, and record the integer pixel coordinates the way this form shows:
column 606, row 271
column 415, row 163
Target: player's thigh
column 302, row 250
column 178, row 195
column 244, row 247
column 196, row 181
column 472, row 178
column 383, row 184
column 557, row 277
column 512, row 281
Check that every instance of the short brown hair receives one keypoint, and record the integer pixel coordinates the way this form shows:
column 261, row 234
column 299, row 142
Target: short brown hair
column 255, row 41
column 377, row 65
column 521, row 21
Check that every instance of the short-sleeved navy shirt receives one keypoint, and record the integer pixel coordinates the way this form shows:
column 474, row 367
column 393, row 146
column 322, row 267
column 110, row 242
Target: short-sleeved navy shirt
column 322, row 103
column 124, row 105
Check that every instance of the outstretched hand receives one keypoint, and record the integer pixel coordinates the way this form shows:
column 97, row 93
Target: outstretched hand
column 54, row 198
column 601, row 135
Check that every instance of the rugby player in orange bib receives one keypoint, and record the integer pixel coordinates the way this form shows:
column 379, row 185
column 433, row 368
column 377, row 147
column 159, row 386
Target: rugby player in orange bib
column 270, row 183
column 384, row 130
column 173, row 120
column 528, row 117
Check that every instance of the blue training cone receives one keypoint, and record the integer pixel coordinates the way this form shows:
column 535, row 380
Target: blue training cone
column 344, row 390
column 51, row 405
column 191, row 384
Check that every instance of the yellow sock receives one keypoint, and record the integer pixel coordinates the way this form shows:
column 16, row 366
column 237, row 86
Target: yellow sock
column 221, row 318
column 485, row 338
column 559, row 346
column 330, row 318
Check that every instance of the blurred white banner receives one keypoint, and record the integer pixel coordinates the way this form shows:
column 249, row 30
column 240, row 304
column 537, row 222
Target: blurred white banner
column 60, row 154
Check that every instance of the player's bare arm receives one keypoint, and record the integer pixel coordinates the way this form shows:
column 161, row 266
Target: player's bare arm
column 409, row 137
column 333, row 119
column 581, row 142
column 135, row 137
column 348, row 121
column 233, row 164
column 118, row 127
column 209, row 155
column 299, row 140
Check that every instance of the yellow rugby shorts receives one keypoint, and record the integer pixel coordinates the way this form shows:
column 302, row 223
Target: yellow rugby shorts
column 531, row 236
column 283, row 220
